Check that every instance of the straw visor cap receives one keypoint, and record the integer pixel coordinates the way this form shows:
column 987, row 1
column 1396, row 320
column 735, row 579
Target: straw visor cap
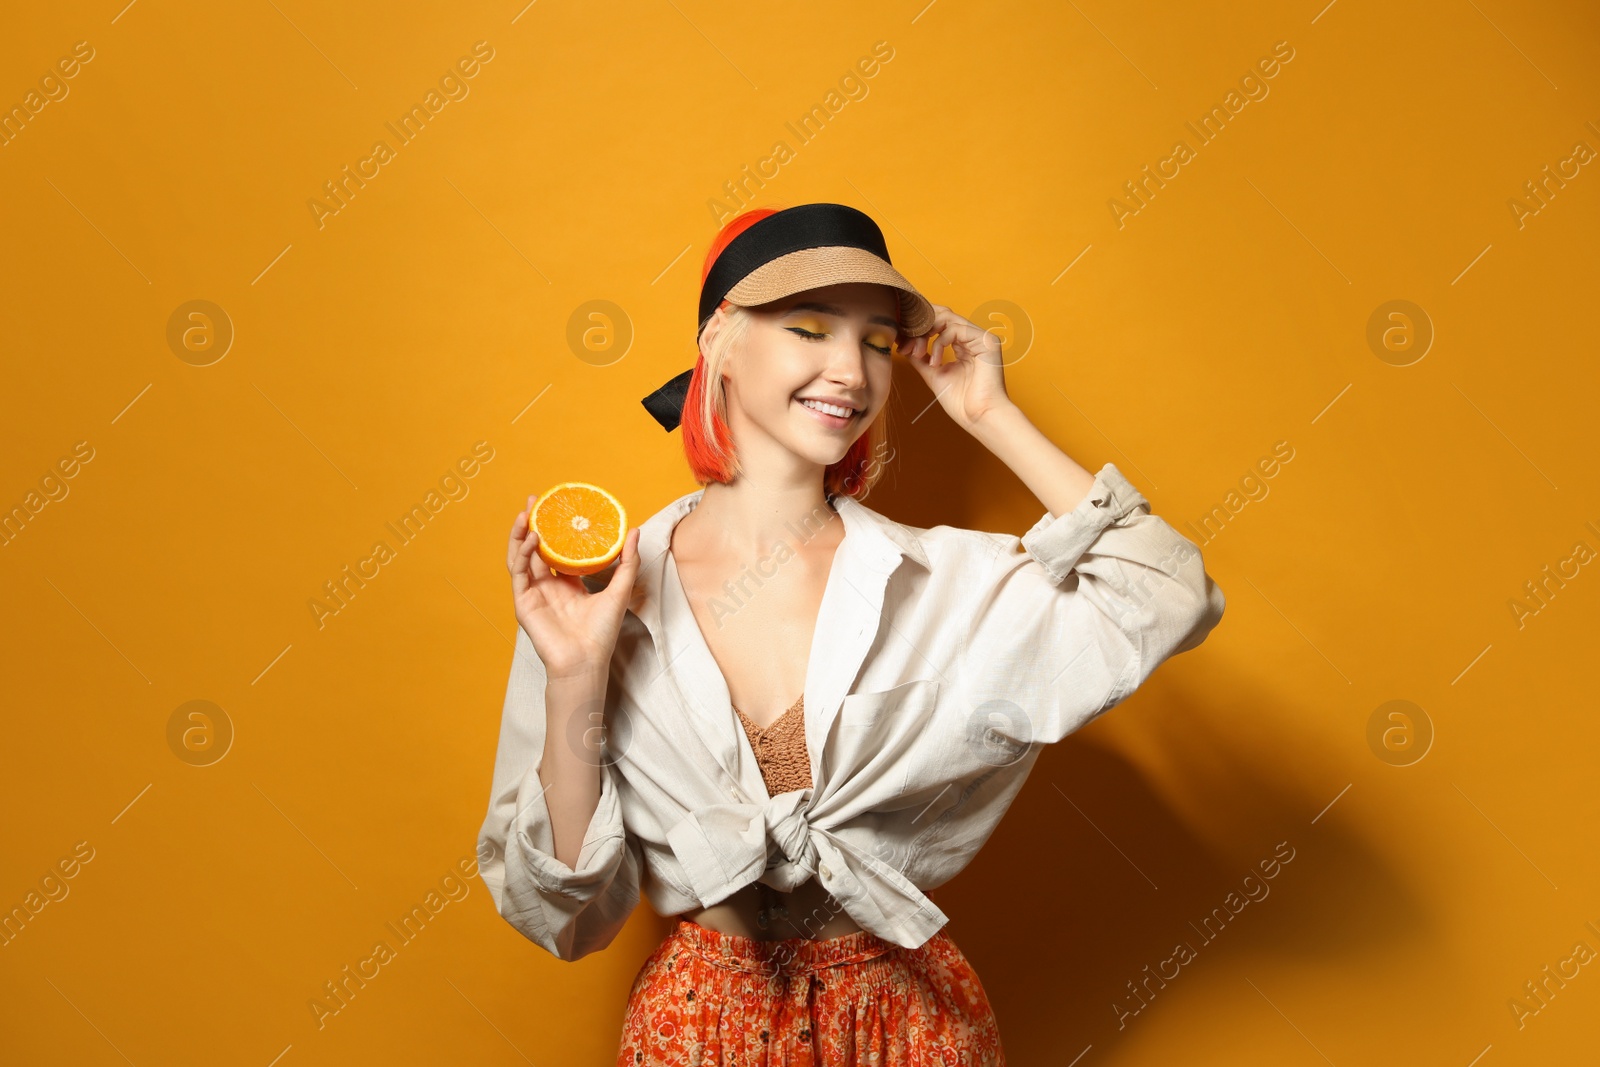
column 813, row 268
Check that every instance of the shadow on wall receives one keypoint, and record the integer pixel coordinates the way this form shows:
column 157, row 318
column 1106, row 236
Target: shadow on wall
column 1075, row 910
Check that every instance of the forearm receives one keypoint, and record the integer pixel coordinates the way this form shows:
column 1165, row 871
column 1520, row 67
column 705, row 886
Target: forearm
column 1052, row 475
column 570, row 766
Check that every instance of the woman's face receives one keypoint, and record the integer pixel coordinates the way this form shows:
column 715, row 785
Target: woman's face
column 830, row 344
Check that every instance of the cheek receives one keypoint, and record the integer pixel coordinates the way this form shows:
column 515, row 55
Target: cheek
column 883, row 379
column 785, row 376
column 769, row 394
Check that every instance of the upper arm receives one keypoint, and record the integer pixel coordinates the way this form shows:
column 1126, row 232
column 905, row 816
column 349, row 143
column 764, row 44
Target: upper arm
column 1072, row 617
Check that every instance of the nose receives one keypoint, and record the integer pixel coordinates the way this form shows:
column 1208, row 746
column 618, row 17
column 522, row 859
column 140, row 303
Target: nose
column 847, row 364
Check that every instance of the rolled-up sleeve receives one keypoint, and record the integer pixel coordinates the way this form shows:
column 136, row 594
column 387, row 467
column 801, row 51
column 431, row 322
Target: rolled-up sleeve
column 568, row 911
column 1073, row 616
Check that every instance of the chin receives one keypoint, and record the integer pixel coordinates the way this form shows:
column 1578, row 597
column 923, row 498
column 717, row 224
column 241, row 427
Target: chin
column 824, row 457
column 825, row 452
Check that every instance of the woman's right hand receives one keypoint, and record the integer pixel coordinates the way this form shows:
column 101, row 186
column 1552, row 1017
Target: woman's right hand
column 573, row 630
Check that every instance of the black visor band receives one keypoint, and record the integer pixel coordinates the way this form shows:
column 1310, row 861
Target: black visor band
column 790, row 230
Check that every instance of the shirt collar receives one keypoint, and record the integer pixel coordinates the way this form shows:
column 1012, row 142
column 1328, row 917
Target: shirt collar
column 880, row 541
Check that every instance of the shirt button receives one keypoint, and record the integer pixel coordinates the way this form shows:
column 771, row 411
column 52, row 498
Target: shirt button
column 734, row 793
column 823, row 870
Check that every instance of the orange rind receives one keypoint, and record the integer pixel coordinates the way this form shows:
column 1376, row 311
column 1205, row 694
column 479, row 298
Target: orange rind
column 581, row 527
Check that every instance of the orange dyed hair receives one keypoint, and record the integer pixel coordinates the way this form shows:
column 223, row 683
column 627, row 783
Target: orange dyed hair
column 707, row 441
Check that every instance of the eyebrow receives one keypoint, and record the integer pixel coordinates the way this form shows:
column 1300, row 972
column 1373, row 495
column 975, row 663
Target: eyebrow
column 838, row 312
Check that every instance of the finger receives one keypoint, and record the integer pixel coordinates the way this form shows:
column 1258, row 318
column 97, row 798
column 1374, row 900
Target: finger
column 538, row 569
column 951, row 344
column 957, row 337
column 520, row 578
column 929, row 377
column 521, row 574
column 621, row 584
column 917, row 354
column 920, row 346
column 943, row 317
column 519, row 531
column 527, row 566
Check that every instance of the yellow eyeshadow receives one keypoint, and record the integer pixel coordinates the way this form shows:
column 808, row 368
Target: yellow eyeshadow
column 811, row 325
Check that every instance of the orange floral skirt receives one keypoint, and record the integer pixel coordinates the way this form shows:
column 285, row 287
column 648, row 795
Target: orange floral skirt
column 711, row 999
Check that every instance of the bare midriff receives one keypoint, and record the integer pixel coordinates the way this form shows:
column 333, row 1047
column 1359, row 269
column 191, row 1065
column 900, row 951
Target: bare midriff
column 812, row 912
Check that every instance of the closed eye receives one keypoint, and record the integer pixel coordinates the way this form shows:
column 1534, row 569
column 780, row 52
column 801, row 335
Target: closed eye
column 808, row 335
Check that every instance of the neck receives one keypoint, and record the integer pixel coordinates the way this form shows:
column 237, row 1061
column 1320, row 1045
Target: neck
column 746, row 519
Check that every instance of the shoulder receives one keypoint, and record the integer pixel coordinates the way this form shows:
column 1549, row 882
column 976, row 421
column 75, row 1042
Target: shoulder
column 939, row 548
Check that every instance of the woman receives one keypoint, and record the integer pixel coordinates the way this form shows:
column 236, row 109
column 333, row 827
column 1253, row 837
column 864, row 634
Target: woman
column 651, row 724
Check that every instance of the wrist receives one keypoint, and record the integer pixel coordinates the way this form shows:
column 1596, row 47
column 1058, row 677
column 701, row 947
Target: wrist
column 1000, row 420
column 578, row 677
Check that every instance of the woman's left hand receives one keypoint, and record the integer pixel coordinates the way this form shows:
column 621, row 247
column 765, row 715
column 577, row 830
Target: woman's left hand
column 972, row 385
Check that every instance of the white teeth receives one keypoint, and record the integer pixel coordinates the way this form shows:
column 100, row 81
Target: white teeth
column 831, row 409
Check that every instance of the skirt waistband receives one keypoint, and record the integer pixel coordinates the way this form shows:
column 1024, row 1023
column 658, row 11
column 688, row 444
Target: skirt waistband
column 788, row 956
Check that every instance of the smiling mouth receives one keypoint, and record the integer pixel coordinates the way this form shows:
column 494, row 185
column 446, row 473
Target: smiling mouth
column 828, row 417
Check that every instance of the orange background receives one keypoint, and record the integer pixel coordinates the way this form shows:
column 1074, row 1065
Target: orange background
column 448, row 302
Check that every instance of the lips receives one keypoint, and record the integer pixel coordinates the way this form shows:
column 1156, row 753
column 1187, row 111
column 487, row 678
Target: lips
column 830, row 402
column 827, row 419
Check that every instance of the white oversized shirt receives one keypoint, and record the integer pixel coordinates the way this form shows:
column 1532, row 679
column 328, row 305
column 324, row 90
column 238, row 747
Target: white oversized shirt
column 942, row 660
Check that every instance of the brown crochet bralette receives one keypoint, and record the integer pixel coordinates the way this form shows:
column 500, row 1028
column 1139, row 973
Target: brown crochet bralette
column 785, row 764
column 780, row 749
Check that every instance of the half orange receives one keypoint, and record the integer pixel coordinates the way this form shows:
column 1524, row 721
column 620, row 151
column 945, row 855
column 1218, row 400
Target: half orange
column 581, row 527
